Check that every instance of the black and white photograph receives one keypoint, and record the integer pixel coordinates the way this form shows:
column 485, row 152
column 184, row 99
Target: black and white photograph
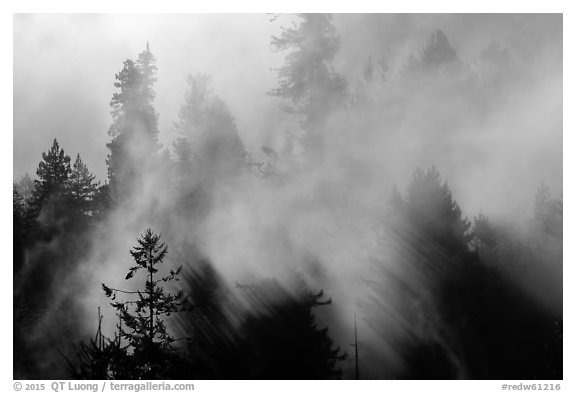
column 273, row 196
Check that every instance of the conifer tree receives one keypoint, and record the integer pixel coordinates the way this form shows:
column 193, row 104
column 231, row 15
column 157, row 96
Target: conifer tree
column 426, row 290
column 191, row 118
column 25, row 188
column 142, row 322
column 307, row 78
column 83, row 189
column 50, row 189
column 146, row 64
column 548, row 211
column 283, row 339
column 484, row 233
column 18, row 229
column 100, row 358
column 437, row 56
column 134, row 130
column 209, row 144
column 434, row 213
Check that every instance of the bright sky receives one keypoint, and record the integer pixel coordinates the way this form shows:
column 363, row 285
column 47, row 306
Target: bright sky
column 64, row 67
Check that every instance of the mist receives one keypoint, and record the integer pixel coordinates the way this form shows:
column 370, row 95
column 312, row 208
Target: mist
column 477, row 97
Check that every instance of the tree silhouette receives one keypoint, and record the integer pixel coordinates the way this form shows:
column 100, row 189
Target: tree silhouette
column 282, row 340
column 134, row 129
column 100, row 358
column 82, row 189
column 449, row 306
column 438, row 56
column 48, row 205
column 416, row 301
column 513, row 334
column 434, row 214
column 215, row 348
column 484, row 233
column 142, row 320
column 18, row 230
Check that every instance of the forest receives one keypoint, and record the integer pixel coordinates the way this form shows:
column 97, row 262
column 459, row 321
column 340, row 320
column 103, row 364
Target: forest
column 345, row 246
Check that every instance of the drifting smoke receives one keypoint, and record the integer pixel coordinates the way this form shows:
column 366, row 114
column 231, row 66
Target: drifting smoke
column 487, row 114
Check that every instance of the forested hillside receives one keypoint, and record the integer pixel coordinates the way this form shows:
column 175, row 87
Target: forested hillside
column 364, row 237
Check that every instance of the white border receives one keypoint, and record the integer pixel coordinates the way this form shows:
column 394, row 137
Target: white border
column 437, row 6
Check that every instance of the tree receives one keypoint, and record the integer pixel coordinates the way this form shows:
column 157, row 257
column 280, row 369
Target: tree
column 142, row 320
column 25, row 188
column 307, row 78
column 50, row 188
column 83, row 189
column 437, row 56
column 134, row 129
column 146, row 64
column 102, row 202
column 435, row 214
column 495, row 64
column 421, row 284
column 191, row 118
column 215, row 349
column 548, row 211
column 454, row 312
column 499, row 73
column 282, row 339
column 209, row 141
column 485, row 234
column 440, row 241
column 99, row 358
column 18, row 229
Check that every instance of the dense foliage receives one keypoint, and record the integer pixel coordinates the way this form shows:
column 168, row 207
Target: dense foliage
column 445, row 296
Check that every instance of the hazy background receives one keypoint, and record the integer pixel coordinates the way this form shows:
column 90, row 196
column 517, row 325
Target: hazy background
column 64, row 67
column 494, row 151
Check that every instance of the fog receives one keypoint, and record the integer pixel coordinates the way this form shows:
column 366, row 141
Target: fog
column 63, row 67
column 493, row 131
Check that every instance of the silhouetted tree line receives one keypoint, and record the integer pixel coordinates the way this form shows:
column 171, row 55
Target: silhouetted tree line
column 457, row 312
column 278, row 339
column 444, row 295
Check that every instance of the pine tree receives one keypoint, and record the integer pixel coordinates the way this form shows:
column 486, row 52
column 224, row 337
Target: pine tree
column 215, row 346
column 422, row 279
column 307, row 78
column 142, row 320
column 49, row 195
column 18, row 229
column 25, row 188
column 83, row 189
column 484, row 233
column 498, row 72
column 221, row 151
column 100, row 358
column 434, row 213
column 146, row 64
column 282, row 338
column 548, row 211
column 209, row 144
column 191, row 118
column 440, row 241
column 437, row 56
column 134, row 130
